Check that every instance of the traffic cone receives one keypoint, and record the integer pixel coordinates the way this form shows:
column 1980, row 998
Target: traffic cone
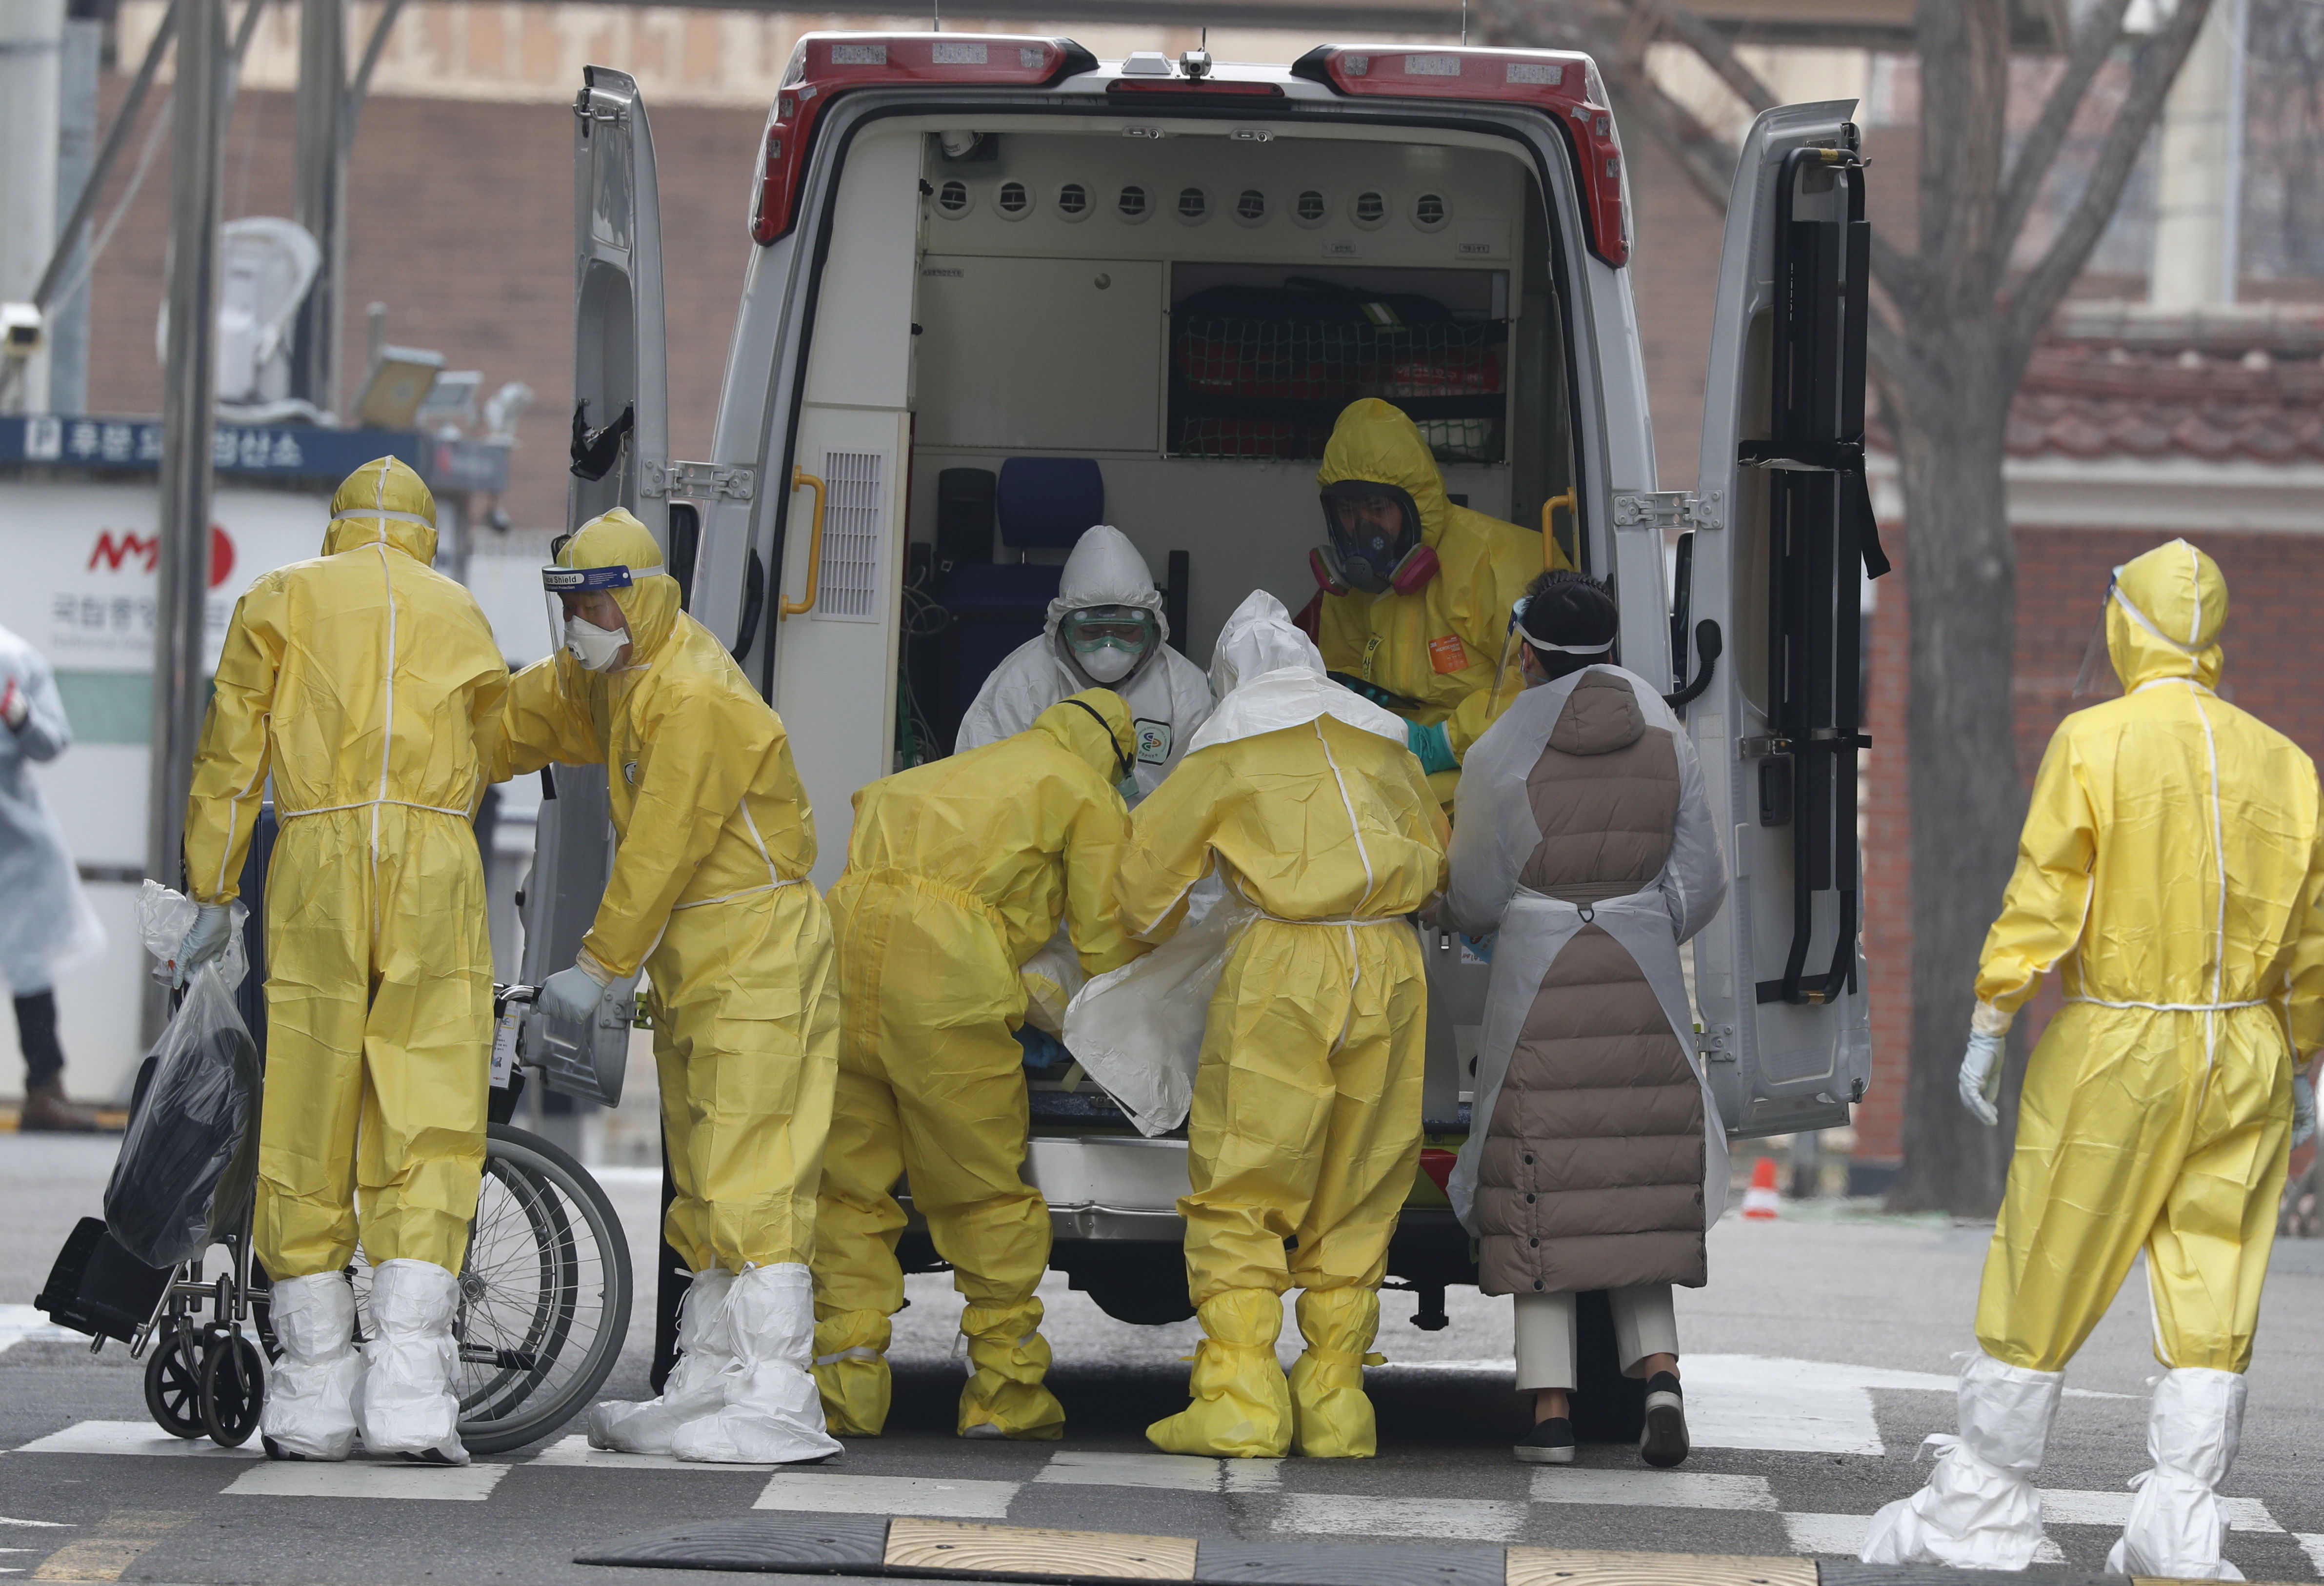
column 1760, row 1201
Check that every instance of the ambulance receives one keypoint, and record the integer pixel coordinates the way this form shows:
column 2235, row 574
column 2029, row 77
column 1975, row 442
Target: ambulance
column 995, row 289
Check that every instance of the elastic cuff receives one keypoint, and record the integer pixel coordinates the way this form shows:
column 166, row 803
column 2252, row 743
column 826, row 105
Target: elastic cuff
column 590, row 964
column 1990, row 1020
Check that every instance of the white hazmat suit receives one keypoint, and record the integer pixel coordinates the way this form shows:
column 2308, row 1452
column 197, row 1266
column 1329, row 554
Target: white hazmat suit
column 1168, row 695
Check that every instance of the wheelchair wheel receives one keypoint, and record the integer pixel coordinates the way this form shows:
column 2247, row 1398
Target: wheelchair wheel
column 233, row 1387
column 544, row 1294
column 173, row 1384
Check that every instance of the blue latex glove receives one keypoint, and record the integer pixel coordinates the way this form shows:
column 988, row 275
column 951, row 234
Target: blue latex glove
column 1434, row 748
column 205, row 939
column 570, row 995
column 1042, row 1049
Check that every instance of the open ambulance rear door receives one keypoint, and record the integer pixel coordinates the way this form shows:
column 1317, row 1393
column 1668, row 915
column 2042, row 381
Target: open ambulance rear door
column 1775, row 545
column 620, row 456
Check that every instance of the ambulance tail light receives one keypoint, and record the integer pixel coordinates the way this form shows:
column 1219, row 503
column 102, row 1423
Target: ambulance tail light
column 826, row 65
column 1563, row 82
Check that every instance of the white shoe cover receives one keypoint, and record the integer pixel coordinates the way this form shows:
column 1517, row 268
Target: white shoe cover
column 408, row 1404
column 2176, row 1527
column 773, row 1413
column 695, row 1385
column 1980, row 1510
column 311, row 1393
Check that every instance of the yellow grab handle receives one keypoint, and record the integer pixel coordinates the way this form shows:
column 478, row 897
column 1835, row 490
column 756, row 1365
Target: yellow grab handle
column 791, row 608
column 1549, row 539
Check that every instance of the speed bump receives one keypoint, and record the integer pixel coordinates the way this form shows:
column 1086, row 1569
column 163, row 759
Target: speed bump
column 962, row 1550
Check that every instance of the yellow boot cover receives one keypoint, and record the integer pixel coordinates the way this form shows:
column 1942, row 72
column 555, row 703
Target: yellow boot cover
column 850, row 1370
column 1242, row 1404
column 1331, row 1417
column 1007, row 1358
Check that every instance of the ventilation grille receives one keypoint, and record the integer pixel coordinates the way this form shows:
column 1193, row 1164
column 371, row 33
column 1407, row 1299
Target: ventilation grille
column 851, row 537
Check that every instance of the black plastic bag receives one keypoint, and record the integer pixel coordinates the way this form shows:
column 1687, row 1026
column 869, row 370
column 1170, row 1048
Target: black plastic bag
column 189, row 1163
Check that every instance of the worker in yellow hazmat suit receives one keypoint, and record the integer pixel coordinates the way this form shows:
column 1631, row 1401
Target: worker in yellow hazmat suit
column 1306, row 1123
column 2170, row 867
column 368, row 688
column 1417, row 591
column 957, row 872
column 709, row 894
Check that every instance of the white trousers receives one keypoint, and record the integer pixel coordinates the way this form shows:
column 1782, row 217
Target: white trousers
column 1645, row 1323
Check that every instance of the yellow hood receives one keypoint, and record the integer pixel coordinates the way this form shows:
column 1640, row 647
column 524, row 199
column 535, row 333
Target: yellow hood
column 2166, row 615
column 1072, row 725
column 650, row 603
column 383, row 501
column 1375, row 441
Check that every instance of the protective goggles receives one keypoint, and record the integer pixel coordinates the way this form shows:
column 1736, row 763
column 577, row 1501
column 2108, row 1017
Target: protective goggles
column 1125, row 627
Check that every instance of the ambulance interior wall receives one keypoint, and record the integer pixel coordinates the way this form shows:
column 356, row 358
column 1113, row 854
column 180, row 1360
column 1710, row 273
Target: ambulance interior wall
column 1044, row 332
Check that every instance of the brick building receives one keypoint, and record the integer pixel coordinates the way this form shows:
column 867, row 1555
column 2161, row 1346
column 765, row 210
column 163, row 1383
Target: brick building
column 2132, row 427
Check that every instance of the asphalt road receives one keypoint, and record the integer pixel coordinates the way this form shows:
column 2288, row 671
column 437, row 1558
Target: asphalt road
column 1816, row 1361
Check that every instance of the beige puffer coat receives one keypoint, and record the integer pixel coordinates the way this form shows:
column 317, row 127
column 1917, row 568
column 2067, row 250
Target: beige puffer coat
column 1591, row 1170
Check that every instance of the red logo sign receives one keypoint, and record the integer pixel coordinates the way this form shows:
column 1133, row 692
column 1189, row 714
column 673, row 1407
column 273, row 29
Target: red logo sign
column 144, row 552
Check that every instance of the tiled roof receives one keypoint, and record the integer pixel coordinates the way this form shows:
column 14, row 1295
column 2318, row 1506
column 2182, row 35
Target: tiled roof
column 2143, row 387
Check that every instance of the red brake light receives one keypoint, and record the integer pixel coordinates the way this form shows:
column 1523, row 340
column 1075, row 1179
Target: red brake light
column 1561, row 81
column 826, row 64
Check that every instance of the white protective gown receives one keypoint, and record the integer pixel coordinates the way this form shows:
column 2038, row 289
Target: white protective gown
column 1494, row 834
column 1167, row 695
column 46, row 923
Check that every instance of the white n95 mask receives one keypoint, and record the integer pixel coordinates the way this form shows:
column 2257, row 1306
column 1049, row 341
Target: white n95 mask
column 592, row 647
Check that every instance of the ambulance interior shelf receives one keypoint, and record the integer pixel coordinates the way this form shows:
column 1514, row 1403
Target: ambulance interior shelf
column 1261, row 362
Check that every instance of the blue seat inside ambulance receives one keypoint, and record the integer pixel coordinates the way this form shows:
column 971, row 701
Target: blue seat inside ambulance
column 1039, row 503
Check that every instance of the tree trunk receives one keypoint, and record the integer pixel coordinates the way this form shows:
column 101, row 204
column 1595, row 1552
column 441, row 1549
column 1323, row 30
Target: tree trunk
column 1967, row 800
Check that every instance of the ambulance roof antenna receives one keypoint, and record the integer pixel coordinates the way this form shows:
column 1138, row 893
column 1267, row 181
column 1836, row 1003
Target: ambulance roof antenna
column 936, row 15
column 1465, row 23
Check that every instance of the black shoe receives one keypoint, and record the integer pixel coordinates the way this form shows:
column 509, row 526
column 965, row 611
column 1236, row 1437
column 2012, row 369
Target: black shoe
column 1549, row 1443
column 425, row 1456
column 275, row 1450
column 1664, row 1442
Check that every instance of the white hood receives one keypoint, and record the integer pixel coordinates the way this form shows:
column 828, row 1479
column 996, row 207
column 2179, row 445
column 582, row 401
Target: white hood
column 1105, row 569
column 1268, row 675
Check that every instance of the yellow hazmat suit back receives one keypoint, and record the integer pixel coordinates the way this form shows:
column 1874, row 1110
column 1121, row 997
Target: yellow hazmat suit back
column 1306, row 1123
column 2170, row 868
column 369, row 686
column 709, row 894
column 1440, row 645
column 958, row 871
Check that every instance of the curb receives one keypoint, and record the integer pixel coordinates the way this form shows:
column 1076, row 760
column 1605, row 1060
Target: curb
column 912, row 1549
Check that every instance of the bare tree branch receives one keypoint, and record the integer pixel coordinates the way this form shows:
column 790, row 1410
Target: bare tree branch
column 2036, row 297
column 1705, row 158
column 2093, row 41
column 1681, row 23
column 1964, row 90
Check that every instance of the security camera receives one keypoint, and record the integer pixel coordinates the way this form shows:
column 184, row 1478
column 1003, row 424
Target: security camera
column 21, row 329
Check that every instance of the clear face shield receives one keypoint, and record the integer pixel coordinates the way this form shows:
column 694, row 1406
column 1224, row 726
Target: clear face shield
column 1109, row 642
column 2094, row 654
column 1513, row 678
column 580, row 602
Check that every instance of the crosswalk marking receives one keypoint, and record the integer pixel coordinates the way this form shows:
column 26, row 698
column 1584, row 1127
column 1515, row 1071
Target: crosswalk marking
column 25, row 1325
column 925, row 1497
column 1843, row 1535
column 130, row 1437
column 574, row 1452
column 2067, row 1507
column 2312, row 1544
column 1254, row 1475
column 1442, row 1519
column 1669, row 1490
column 1176, row 1472
column 367, row 1478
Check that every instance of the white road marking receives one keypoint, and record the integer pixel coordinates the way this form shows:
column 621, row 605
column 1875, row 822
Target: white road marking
column 1843, row 1535
column 46, row 1524
column 367, row 1478
column 1670, row 1489
column 2311, row 1544
column 1254, row 1475
column 2066, row 1507
column 926, row 1496
column 132, row 1437
column 1178, row 1472
column 574, row 1452
column 25, row 1325
column 1441, row 1519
